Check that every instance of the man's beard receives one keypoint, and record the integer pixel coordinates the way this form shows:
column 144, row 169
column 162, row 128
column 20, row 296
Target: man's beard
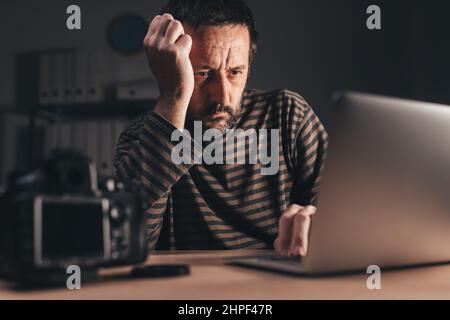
column 232, row 116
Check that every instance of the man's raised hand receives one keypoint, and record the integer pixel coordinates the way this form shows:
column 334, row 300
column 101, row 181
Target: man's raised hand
column 168, row 49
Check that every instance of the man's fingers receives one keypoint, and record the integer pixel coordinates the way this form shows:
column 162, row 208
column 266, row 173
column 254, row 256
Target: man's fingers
column 185, row 42
column 309, row 210
column 300, row 233
column 282, row 243
column 153, row 25
column 163, row 23
column 297, row 229
column 174, row 31
column 294, row 230
column 165, row 30
column 304, row 238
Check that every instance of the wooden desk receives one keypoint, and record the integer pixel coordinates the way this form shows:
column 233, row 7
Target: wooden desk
column 211, row 279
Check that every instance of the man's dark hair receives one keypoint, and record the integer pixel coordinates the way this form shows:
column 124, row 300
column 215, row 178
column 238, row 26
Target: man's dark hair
column 214, row 13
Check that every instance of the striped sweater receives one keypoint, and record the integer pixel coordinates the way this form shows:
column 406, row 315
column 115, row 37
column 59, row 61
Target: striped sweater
column 224, row 206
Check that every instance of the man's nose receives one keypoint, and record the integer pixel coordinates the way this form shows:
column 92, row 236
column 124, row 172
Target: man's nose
column 220, row 91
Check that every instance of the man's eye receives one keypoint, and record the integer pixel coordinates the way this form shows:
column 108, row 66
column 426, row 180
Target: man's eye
column 202, row 74
column 235, row 73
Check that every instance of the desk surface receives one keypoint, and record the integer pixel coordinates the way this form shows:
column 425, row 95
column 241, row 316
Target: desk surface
column 212, row 279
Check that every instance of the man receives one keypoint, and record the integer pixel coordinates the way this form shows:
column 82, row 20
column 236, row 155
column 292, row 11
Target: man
column 200, row 52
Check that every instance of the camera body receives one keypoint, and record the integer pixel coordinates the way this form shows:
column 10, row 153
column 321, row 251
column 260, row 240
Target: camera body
column 58, row 215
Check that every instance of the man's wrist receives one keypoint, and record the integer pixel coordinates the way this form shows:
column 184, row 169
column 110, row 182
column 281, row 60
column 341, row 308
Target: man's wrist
column 173, row 110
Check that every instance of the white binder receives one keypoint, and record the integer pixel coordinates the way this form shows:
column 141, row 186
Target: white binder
column 96, row 76
column 79, row 65
column 44, row 78
column 58, row 78
column 67, row 72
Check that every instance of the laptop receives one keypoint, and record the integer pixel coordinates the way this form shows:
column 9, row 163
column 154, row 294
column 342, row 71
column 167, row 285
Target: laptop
column 385, row 193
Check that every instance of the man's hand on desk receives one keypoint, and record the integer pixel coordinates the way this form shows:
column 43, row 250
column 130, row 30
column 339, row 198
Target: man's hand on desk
column 293, row 231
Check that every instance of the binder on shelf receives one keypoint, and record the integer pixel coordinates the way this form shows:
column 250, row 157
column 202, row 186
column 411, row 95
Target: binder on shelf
column 67, row 71
column 79, row 64
column 71, row 76
column 96, row 71
column 57, row 78
column 44, row 79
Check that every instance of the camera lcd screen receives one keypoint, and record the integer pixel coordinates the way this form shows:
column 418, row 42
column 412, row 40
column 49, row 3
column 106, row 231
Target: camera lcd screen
column 72, row 230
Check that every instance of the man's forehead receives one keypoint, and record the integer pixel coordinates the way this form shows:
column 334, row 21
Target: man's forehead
column 228, row 44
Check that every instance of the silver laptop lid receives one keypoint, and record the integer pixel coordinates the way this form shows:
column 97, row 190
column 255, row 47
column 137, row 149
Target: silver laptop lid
column 385, row 194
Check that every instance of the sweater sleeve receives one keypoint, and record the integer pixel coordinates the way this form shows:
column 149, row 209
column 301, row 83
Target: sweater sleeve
column 144, row 156
column 310, row 153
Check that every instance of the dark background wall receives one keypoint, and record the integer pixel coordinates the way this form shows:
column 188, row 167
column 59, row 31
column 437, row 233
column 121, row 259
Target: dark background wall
column 317, row 47
column 311, row 46
column 314, row 47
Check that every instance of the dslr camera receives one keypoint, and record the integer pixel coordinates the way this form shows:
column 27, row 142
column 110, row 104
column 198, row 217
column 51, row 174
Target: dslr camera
column 58, row 215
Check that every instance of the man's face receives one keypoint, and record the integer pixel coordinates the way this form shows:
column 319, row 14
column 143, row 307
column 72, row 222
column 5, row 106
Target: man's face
column 220, row 58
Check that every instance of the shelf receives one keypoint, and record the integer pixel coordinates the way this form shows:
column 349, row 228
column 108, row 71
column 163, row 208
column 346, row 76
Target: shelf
column 125, row 109
column 116, row 109
column 12, row 110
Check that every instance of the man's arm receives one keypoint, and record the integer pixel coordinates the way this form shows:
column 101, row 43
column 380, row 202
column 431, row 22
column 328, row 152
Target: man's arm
column 144, row 151
column 310, row 153
column 310, row 148
column 143, row 155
